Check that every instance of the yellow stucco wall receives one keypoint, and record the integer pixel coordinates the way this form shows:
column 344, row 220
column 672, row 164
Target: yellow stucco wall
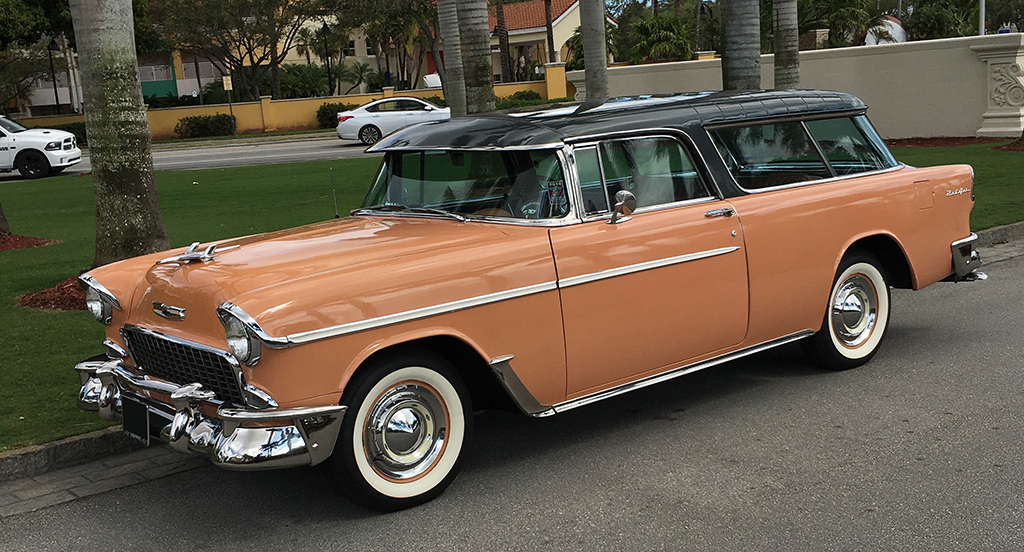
column 269, row 115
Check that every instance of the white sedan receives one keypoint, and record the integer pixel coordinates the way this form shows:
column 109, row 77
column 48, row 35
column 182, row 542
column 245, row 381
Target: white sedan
column 378, row 118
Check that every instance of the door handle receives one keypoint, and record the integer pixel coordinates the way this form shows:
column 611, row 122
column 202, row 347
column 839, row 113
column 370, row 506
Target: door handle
column 723, row 212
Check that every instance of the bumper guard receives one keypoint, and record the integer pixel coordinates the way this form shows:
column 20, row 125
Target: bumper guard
column 308, row 439
column 966, row 260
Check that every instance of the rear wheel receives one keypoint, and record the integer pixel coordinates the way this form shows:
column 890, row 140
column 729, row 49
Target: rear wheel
column 32, row 164
column 369, row 134
column 408, row 421
column 856, row 318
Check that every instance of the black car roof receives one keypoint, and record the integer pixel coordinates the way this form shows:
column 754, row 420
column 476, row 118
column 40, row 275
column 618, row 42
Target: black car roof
column 557, row 123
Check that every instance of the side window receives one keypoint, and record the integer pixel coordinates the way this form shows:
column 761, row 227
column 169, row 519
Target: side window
column 764, row 156
column 656, row 170
column 410, row 105
column 845, row 146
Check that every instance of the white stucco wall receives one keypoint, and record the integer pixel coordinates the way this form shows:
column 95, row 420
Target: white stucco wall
column 950, row 87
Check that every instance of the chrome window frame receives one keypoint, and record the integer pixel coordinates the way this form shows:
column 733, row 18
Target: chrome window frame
column 802, row 119
column 679, row 136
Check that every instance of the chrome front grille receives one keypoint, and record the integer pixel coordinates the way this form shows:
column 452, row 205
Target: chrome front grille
column 183, row 362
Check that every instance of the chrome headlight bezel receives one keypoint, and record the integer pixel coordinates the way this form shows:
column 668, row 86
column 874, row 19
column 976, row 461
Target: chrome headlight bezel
column 98, row 299
column 239, row 331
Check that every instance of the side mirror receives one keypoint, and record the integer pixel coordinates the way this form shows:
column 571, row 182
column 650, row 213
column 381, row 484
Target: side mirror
column 625, row 204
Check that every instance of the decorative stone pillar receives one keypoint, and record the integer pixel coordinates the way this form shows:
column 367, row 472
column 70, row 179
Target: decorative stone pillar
column 1004, row 113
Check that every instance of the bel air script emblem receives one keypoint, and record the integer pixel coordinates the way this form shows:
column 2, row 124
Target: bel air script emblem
column 169, row 312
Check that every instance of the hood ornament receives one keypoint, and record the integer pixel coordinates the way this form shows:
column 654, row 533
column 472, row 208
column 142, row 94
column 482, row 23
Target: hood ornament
column 169, row 312
column 193, row 253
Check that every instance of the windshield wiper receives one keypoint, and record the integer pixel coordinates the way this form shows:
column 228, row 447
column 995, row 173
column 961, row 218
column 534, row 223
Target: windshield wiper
column 398, row 208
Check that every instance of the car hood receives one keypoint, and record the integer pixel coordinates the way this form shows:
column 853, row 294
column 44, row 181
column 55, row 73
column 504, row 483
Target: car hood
column 341, row 271
column 43, row 134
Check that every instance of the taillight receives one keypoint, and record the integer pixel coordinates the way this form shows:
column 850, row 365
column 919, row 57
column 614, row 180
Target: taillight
column 342, row 118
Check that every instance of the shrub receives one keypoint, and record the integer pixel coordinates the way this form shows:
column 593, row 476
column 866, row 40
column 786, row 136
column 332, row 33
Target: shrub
column 78, row 129
column 526, row 95
column 201, row 126
column 327, row 113
column 512, row 103
column 436, row 100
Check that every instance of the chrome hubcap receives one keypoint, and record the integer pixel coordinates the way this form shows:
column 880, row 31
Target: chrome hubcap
column 854, row 310
column 405, row 431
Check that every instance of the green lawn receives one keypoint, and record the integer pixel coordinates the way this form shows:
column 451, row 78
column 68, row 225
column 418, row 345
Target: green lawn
column 998, row 179
column 37, row 384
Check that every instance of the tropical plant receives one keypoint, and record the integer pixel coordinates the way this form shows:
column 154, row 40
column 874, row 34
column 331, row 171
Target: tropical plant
column 942, row 19
column 574, row 60
column 659, row 38
column 356, row 74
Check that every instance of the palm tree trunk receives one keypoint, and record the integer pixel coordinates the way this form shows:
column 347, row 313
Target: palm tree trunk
column 5, row 228
column 654, row 7
column 128, row 217
column 787, row 45
column 502, row 30
column 448, row 21
column 741, row 45
column 550, row 32
column 275, row 73
column 476, row 55
column 595, row 51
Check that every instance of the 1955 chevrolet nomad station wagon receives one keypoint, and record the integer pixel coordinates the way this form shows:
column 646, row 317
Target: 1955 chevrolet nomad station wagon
column 484, row 263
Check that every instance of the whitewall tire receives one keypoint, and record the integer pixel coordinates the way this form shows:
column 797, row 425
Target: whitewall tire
column 857, row 315
column 408, row 422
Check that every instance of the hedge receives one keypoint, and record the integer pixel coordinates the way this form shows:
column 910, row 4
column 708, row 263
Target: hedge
column 201, row 126
column 327, row 113
column 511, row 103
column 78, row 129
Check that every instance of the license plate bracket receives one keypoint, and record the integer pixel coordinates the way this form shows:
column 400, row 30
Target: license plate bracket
column 135, row 416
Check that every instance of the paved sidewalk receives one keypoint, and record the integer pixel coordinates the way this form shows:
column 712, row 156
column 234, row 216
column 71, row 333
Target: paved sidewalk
column 114, row 472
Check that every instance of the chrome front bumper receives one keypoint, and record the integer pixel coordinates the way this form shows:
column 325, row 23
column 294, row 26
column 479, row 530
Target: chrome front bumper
column 966, row 260
column 286, row 437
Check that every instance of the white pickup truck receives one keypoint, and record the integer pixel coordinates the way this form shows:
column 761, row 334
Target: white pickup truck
column 36, row 152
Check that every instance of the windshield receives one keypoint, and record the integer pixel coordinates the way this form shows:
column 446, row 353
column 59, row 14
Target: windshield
column 10, row 126
column 508, row 184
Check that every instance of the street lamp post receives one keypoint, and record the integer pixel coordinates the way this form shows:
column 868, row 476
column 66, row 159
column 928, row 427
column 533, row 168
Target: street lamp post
column 327, row 52
column 53, row 75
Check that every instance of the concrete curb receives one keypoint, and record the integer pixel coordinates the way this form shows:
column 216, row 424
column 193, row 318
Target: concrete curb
column 37, row 459
column 34, row 460
column 1000, row 234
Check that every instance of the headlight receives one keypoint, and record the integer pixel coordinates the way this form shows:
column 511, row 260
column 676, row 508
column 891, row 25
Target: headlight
column 52, row 146
column 98, row 299
column 241, row 342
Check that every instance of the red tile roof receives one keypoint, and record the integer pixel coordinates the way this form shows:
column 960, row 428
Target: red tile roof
column 530, row 14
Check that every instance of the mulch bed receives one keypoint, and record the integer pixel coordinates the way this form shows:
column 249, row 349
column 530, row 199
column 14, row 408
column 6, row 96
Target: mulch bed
column 1016, row 145
column 14, row 241
column 941, row 142
column 66, row 296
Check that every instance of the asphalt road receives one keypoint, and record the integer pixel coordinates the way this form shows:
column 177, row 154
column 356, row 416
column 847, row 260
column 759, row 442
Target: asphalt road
column 210, row 156
column 919, row 450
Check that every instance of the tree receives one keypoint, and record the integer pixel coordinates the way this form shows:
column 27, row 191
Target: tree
column 357, row 74
column 595, row 48
column 246, row 36
column 659, row 38
column 787, row 45
column 741, row 45
column 448, row 23
column 128, row 217
column 501, row 29
column 476, row 55
column 549, row 31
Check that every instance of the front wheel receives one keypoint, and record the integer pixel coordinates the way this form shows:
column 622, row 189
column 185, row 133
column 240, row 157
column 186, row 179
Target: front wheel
column 32, row 164
column 409, row 420
column 856, row 318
